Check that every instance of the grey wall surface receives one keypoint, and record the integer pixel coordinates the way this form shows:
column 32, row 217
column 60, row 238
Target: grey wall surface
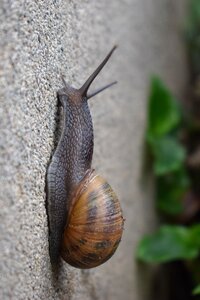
column 40, row 40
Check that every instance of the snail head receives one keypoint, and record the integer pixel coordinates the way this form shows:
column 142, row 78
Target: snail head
column 82, row 93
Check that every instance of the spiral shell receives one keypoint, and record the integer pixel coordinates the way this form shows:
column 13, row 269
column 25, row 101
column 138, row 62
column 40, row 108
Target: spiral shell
column 95, row 224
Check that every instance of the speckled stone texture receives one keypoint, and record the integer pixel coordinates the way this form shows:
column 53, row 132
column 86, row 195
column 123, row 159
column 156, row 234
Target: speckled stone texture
column 39, row 41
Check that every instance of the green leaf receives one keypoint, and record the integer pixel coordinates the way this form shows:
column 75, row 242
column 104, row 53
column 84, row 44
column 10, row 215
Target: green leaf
column 170, row 243
column 169, row 155
column 170, row 191
column 194, row 235
column 163, row 110
column 196, row 290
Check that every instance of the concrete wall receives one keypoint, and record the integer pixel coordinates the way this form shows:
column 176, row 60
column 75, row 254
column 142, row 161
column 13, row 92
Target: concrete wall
column 39, row 40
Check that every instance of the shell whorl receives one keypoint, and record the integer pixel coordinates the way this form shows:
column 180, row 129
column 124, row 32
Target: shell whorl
column 95, row 224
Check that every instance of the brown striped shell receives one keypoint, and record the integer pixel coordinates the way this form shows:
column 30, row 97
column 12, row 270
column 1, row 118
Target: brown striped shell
column 95, row 224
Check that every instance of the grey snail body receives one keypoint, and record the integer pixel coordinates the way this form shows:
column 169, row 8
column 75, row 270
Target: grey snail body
column 84, row 214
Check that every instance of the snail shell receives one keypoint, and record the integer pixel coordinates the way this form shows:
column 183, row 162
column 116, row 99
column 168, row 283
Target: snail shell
column 95, row 225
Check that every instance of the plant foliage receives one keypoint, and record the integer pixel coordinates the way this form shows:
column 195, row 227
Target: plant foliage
column 170, row 243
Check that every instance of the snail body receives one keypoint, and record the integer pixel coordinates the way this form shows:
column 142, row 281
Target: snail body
column 84, row 214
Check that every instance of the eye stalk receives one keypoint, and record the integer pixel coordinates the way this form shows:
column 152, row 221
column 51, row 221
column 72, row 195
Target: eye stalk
column 83, row 90
column 100, row 90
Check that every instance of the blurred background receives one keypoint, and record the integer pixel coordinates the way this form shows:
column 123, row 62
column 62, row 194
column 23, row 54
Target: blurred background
column 147, row 142
column 173, row 155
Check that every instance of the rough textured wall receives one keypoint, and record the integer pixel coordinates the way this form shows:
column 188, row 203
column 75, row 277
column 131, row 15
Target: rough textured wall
column 40, row 40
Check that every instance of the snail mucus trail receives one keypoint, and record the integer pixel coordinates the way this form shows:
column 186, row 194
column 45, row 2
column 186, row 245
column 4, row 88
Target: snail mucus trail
column 84, row 213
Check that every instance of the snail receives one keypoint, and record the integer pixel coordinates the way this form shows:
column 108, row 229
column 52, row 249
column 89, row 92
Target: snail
column 84, row 214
